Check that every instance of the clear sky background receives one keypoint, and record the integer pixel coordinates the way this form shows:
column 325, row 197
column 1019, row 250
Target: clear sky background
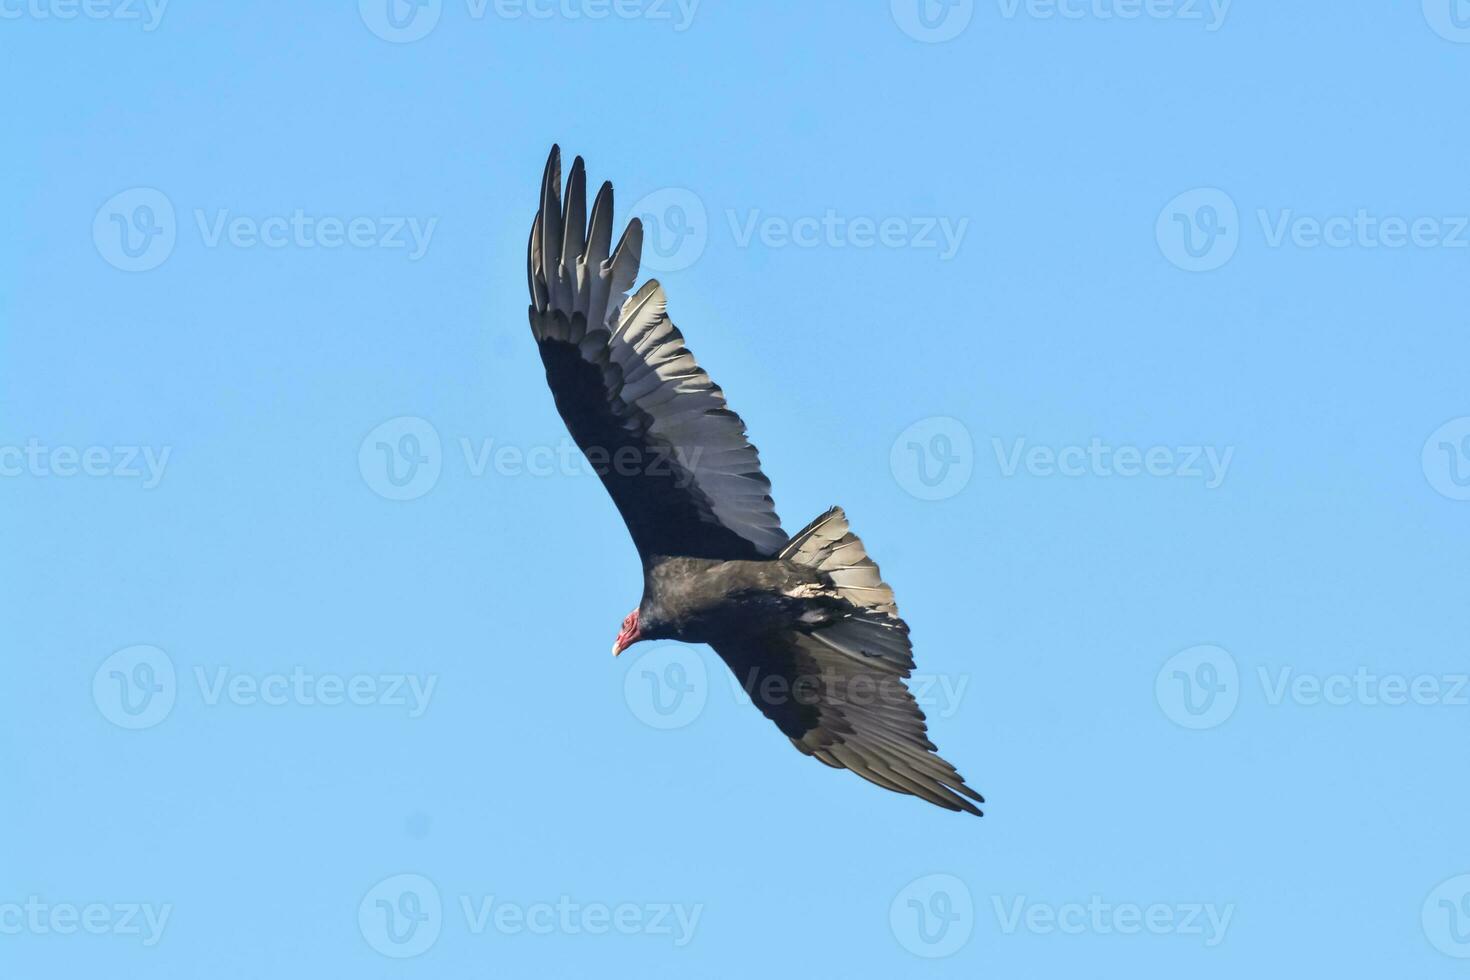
column 1164, row 449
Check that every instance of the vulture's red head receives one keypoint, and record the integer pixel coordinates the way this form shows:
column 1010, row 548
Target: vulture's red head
column 628, row 635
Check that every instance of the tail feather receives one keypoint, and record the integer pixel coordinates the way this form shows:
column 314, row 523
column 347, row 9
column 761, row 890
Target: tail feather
column 873, row 634
column 828, row 545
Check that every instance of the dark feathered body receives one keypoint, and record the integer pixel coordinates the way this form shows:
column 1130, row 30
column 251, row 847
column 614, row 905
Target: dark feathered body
column 699, row 600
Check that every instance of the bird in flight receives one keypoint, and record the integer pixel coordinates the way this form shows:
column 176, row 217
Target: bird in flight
column 805, row 622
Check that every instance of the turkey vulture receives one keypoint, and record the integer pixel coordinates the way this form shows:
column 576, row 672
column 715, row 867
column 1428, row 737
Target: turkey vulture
column 807, row 625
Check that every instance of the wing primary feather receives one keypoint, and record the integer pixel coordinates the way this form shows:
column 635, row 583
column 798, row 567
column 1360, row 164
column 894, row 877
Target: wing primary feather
column 574, row 231
column 533, row 267
column 551, row 227
column 625, row 261
column 599, row 229
column 599, row 241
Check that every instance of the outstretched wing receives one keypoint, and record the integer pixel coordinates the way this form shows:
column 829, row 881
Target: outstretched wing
column 656, row 429
column 849, row 709
column 837, row 690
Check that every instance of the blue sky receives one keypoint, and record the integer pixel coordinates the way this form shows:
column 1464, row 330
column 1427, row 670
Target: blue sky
column 1131, row 336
